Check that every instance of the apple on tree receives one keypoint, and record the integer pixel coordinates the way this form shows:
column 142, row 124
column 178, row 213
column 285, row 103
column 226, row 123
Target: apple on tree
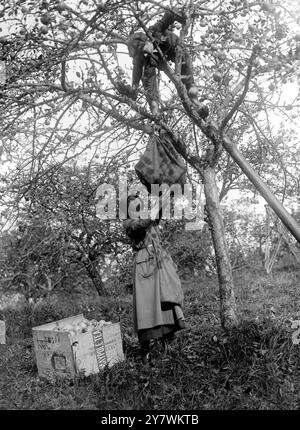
column 217, row 77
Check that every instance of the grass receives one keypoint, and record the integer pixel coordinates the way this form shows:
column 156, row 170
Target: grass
column 255, row 366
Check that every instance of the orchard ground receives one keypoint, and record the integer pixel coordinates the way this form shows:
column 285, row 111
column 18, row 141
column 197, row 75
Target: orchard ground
column 255, row 366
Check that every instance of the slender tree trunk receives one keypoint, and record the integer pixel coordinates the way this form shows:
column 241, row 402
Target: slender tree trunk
column 95, row 277
column 226, row 287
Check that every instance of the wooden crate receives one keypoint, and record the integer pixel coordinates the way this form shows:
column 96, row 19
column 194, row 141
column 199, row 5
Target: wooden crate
column 65, row 354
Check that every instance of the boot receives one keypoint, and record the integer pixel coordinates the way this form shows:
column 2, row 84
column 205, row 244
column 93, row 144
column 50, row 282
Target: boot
column 145, row 351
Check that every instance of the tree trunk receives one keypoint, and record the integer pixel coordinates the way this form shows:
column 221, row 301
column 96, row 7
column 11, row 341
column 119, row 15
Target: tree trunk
column 226, row 287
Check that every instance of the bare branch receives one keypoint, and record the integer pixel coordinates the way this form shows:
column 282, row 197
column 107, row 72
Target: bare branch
column 241, row 98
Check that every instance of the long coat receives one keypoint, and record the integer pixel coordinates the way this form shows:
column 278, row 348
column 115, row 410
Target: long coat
column 156, row 282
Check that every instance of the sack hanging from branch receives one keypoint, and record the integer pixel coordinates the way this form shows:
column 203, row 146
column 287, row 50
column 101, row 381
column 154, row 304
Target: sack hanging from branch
column 160, row 163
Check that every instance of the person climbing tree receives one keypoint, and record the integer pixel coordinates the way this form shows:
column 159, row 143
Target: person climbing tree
column 157, row 293
column 145, row 50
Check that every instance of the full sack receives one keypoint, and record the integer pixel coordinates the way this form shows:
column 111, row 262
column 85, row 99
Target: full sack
column 160, row 163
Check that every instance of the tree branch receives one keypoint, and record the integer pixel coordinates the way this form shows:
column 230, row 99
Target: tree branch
column 240, row 100
column 63, row 75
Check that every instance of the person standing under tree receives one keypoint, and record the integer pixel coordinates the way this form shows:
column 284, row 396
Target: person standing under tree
column 157, row 292
column 147, row 60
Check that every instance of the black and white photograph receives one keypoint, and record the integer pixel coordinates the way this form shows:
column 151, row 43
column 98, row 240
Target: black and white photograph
column 150, row 208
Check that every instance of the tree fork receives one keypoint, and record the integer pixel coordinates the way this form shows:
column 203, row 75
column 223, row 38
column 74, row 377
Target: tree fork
column 213, row 134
